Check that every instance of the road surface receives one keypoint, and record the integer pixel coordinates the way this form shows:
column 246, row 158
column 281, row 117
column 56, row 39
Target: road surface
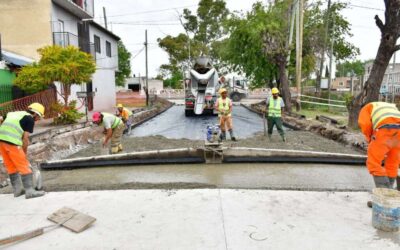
column 174, row 125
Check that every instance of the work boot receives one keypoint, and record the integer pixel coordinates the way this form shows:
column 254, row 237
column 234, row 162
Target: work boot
column 398, row 183
column 382, row 182
column 27, row 181
column 222, row 136
column 283, row 138
column 233, row 138
column 120, row 148
column 16, row 185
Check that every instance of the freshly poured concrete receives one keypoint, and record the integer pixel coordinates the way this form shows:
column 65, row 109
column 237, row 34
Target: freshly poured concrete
column 249, row 176
column 201, row 219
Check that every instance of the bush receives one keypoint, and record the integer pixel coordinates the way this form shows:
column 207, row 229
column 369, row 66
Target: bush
column 66, row 115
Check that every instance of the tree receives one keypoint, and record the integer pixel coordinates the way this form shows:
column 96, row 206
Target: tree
column 206, row 27
column 124, row 65
column 258, row 42
column 171, row 76
column 67, row 66
column 390, row 32
column 350, row 67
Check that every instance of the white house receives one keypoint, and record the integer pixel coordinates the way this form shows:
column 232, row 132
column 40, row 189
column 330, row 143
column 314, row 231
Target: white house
column 138, row 84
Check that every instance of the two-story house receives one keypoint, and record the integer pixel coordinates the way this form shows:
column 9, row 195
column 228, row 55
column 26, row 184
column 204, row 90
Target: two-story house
column 27, row 25
column 391, row 80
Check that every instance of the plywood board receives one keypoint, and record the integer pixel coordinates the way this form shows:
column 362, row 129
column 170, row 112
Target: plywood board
column 72, row 219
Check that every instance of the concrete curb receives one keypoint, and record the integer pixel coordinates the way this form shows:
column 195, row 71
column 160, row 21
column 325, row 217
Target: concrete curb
column 191, row 155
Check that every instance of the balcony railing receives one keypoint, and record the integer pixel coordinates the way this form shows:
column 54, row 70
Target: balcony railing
column 65, row 39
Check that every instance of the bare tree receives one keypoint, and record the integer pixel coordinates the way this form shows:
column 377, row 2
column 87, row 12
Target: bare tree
column 390, row 32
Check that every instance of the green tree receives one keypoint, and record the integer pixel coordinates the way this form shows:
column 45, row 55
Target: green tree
column 258, row 42
column 67, row 66
column 350, row 67
column 171, row 76
column 124, row 64
column 206, row 28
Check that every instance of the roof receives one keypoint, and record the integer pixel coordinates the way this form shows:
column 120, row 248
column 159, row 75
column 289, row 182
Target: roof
column 16, row 59
column 98, row 26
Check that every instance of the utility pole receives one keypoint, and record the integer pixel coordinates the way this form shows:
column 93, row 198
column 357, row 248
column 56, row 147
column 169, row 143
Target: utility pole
column 299, row 50
column 393, row 76
column 330, row 68
column 291, row 29
column 105, row 17
column 147, row 71
column 321, row 67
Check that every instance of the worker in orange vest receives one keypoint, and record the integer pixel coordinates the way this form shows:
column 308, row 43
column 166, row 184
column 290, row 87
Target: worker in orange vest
column 380, row 124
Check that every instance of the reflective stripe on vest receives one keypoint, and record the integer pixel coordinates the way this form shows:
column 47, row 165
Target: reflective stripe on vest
column 274, row 108
column 381, row 111
column 224, row 106
column 10, row 130
column 116, row 119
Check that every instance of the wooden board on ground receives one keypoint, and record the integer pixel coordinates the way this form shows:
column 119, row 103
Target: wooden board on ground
column 72, row 219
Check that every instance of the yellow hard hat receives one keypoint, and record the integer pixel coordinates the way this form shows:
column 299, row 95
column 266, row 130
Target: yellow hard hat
column 120, row 105
column 37, row 108
column 275, row 91
column 222, row 90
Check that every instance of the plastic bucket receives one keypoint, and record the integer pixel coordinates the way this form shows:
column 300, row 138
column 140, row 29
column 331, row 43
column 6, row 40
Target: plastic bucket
column 386, row 209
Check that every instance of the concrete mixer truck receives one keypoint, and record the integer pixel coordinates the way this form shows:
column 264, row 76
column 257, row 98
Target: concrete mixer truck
column 201, row 86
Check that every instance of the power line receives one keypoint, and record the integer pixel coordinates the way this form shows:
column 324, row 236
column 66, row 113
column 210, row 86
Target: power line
column 140, row 51
column 150, row 24
column 365, row 7
column 151, row 11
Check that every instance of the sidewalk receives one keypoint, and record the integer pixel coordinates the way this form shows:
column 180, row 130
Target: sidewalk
column 201, row 219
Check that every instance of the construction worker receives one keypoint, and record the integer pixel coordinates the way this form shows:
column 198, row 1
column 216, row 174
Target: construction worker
column 125, row 114
column 380, row 124
column 274, row 111
column 113, row 129
column 224, row 109
column 14, row 142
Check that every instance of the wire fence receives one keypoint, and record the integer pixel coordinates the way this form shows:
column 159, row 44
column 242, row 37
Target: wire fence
column 5, row 92
column 47, row 98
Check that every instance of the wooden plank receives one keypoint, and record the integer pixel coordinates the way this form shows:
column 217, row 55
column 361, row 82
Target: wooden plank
column 72, row 219
column 21, row 237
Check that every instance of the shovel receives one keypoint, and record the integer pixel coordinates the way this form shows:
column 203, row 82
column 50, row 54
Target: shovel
column 66, row 217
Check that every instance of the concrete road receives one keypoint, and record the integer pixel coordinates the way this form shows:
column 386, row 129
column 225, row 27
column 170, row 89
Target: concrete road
column 174, row 125
column 200, row 219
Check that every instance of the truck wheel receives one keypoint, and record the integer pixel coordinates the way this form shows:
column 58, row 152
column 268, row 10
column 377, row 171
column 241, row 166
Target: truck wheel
column 236, row 97
column 188, row 112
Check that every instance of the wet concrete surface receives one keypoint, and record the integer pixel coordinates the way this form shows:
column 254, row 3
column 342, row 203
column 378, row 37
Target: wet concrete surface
column 249, row 176
column 296, row 140
column 174, row 125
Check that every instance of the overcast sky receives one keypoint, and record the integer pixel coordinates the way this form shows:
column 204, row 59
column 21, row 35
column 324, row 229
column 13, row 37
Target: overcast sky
column 130, row 18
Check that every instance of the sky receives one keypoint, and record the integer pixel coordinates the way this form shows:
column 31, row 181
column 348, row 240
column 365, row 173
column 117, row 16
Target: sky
column 130, row 18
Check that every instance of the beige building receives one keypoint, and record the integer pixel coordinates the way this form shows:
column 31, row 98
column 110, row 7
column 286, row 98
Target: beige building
column 26, row 25
column 345, row 83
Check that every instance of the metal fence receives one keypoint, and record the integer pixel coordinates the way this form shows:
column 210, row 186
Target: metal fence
column 5, row 92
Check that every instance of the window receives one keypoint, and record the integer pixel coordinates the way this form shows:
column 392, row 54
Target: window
column 341, row 84
column 108, row 48
column 97, row 44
